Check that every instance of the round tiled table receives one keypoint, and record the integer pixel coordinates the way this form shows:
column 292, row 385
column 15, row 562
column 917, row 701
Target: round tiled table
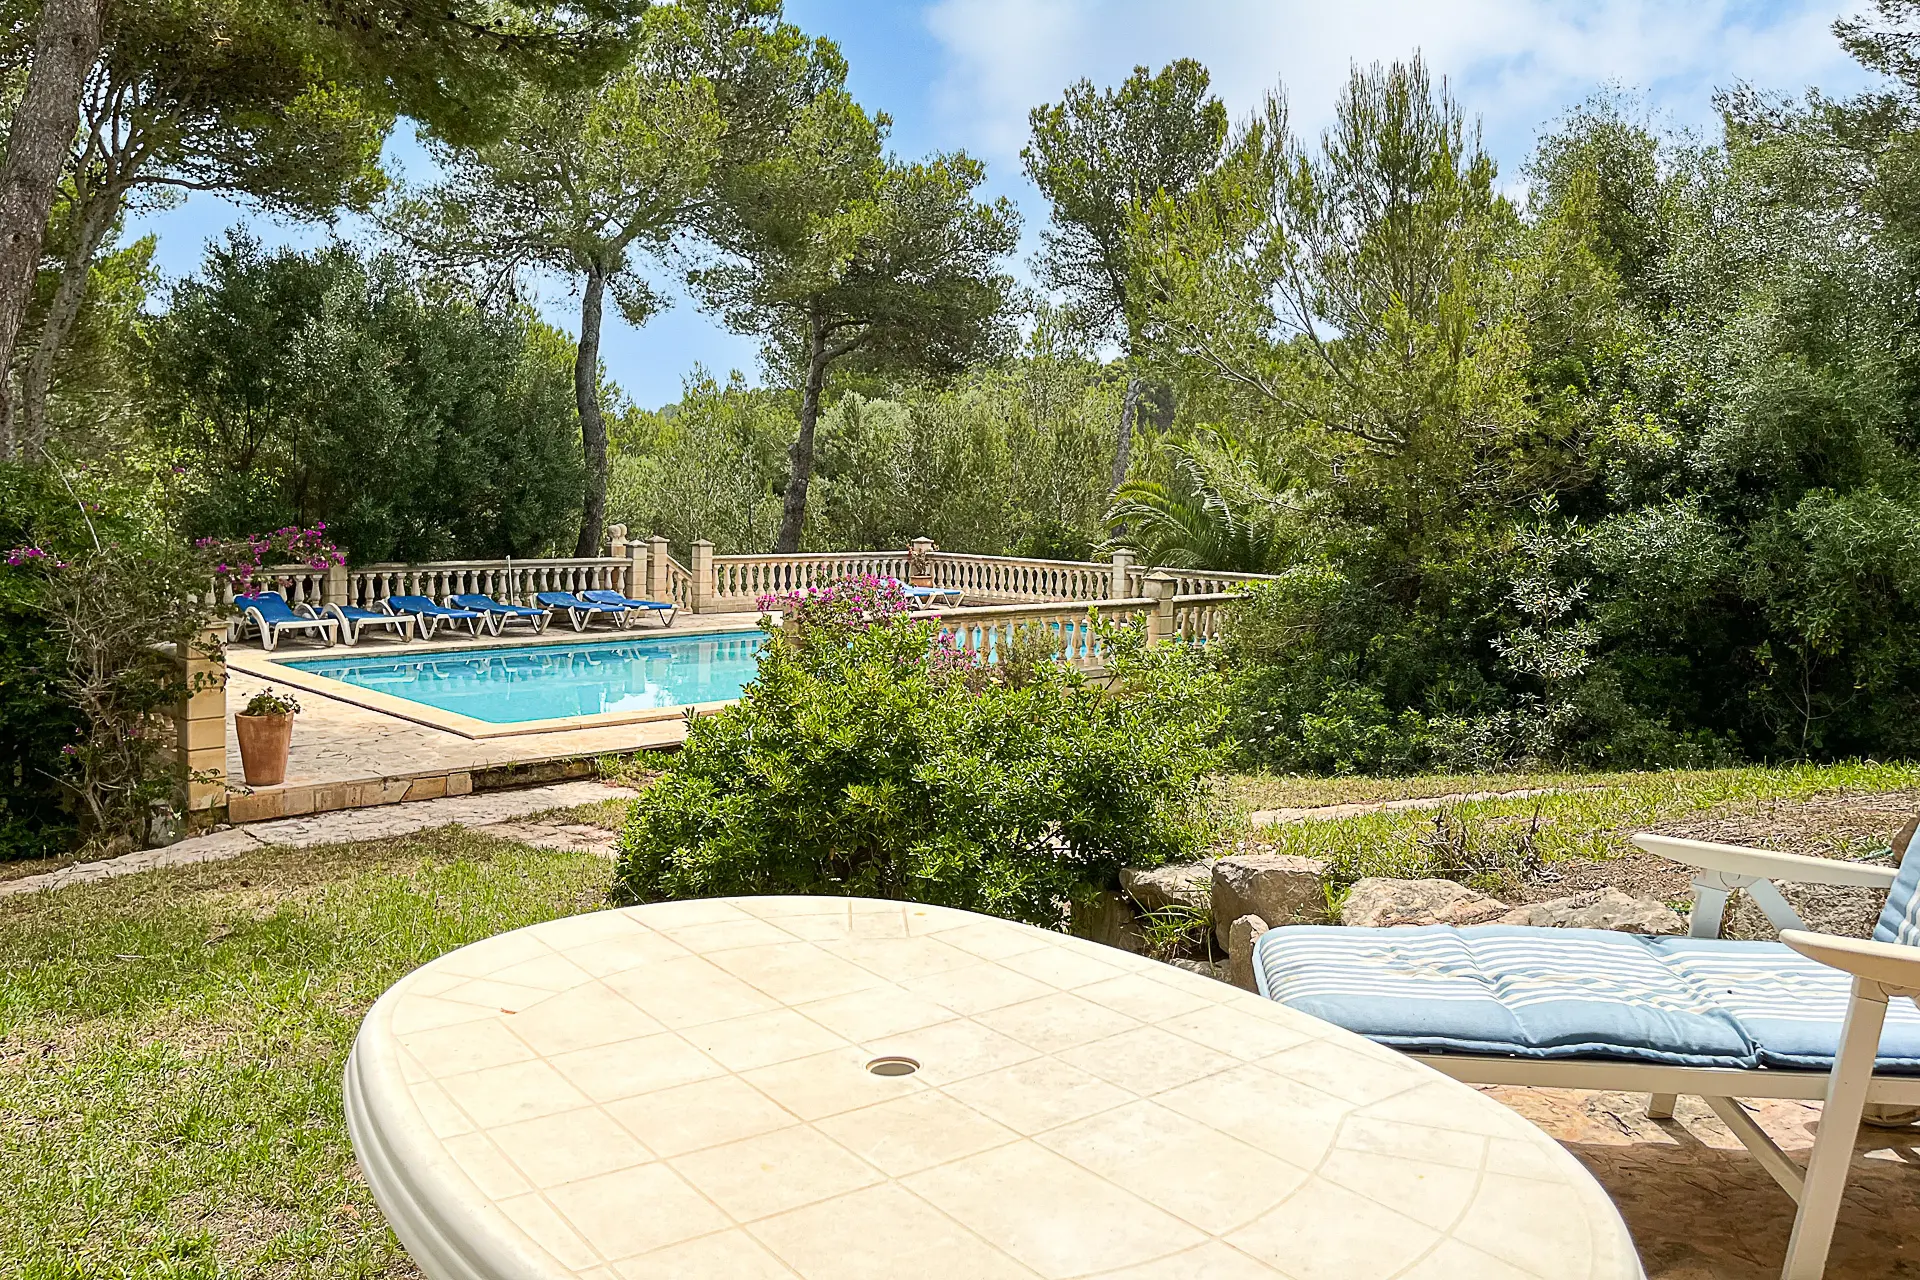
column 701, row 1090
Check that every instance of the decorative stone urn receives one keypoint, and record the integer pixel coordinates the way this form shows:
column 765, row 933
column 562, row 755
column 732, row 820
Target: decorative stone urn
column 920, row 562
column 265, row 730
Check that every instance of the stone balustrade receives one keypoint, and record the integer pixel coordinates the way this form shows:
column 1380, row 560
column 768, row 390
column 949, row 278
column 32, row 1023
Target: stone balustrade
column 1014, row 578
column 510, row 581
column 740, row 581
column 990, row 630
column 1201, row 619
column 736, row 583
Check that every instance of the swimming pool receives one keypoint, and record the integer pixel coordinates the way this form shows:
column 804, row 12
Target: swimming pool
column 559, row 681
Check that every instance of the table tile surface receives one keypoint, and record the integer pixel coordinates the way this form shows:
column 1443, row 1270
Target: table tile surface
column 681, row 1090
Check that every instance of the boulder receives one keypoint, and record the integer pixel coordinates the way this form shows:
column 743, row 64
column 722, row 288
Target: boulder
column 1375, row 902
column 1184, row 884
column 1241, row 935
column 1106, row 918
column 1600, row 909
column 1277, row 887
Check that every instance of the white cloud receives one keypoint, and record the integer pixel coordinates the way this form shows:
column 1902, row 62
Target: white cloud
column 1516, row 63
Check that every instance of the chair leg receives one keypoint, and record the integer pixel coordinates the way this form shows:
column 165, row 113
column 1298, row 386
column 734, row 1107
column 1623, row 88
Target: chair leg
column 1839, row 1123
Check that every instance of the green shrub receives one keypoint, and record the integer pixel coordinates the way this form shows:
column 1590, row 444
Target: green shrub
column 884, row 764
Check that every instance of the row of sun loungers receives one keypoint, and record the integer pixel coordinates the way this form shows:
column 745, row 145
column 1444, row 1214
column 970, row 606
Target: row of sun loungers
column 268, row 613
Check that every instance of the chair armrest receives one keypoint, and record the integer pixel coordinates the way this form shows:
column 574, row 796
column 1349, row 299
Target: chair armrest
column 1765, row 864
column 1894, row 967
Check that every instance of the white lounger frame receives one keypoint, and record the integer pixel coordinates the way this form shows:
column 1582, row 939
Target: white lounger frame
column 1881, row 971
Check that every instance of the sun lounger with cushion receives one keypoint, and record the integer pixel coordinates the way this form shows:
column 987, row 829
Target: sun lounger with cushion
column 353, row 620
column 271, row 614
column 657, row 608
column 432, row 616
column 580, row 612
column 1813, row 1016
column 499, row 615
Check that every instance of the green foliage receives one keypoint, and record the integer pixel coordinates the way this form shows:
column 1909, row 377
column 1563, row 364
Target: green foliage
column 705, row 467
column 299, row 388
column 88, row 679
column 1097, row 156
column 1619, row 478
column 268, row 703
column 1010, row 458
column 836, row 253
column 36, row 722
column 581, row 182
column 873, row 765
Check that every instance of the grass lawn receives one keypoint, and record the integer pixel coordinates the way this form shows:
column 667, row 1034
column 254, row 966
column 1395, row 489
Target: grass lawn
column 1588, row 818
column 171, row 1043
column 171, row 1046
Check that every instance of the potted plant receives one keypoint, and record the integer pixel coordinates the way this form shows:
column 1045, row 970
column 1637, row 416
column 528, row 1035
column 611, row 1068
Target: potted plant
column 265, row 729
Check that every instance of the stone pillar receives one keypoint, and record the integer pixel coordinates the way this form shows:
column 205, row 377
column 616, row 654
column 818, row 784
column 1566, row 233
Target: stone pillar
column 700, row 594
column 334, row 591
column 659, row 583
column 616, row 550
column 200, row 720
column 637, row 568
column 920, row 553
column 1122, row 561
column 1160, row 589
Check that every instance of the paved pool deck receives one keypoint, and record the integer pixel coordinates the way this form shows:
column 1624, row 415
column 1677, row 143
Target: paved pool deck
column 350, row 755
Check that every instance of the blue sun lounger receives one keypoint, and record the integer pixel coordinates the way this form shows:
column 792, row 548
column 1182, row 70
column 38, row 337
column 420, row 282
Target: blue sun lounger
column 499, row 615
column 271, row 614
column 657, row 608
column 580, row 612
column 353, row 620
column 1813, row 1017
column 431, row 615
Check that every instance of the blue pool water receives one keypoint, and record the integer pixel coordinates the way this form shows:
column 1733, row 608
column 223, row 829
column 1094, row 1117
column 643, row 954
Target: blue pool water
column 545, row 682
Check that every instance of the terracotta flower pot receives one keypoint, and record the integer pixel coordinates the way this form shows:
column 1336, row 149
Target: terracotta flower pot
column 263, row 747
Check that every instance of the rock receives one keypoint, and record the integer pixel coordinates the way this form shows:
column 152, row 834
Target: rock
column 1184, row 884
column 1376, row 902
column 1277, row 887
column 1241, row 935
column 1600, row 909
column 1106, row 918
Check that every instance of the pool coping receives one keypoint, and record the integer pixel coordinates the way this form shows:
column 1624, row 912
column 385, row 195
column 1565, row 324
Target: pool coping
column 278, row 669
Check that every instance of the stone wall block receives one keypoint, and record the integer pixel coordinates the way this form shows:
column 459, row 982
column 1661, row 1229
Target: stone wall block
column 1279, row 888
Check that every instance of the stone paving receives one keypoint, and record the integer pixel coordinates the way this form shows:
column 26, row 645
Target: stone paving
column 335, row 741
column 1701, row 1208
column 494, row 812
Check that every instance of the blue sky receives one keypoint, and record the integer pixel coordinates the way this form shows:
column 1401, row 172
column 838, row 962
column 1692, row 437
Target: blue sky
column 961, row 74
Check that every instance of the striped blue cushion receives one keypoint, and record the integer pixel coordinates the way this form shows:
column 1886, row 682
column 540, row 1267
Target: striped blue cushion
column 1900, row 918
column 1573, row 993
column 1505, row 989
column 1790, row 1007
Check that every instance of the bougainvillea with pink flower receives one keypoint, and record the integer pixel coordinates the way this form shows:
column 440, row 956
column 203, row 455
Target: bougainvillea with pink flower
column 242, row 561
column 34, row 557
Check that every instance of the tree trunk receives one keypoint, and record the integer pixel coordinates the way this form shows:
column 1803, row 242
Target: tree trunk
column 1123, row 434
column 593, row 427
column 793, row 512
column 72, row 291
column 64, row 50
